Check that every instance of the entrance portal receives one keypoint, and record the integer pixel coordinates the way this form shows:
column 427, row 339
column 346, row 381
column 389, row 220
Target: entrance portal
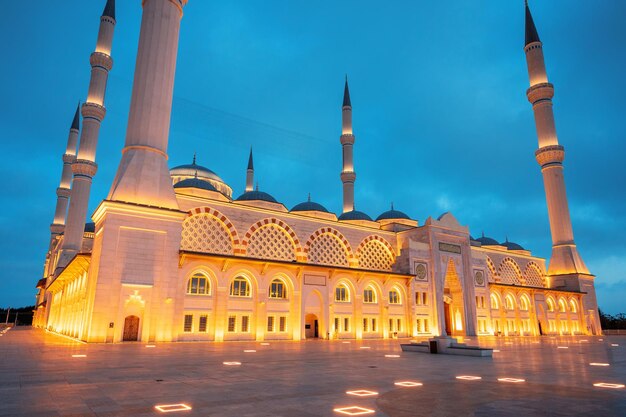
column 131, row 329
column 311, row 327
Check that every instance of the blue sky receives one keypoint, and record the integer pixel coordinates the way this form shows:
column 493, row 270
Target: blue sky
column 440, row 113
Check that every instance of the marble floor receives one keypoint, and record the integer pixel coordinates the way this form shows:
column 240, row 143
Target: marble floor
column 42, row 374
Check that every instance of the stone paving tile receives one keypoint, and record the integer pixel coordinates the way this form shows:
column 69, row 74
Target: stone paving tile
column 39, row 377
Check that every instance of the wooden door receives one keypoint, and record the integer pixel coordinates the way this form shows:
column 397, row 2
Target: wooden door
column 131, row 329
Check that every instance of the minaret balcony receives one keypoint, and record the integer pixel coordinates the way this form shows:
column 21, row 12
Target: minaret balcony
column 550, row 155
column 539, row 92
column 101, row 60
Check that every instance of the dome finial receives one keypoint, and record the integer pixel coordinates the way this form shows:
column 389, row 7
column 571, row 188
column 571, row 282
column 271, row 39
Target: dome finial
column 257, row 186
column 392, row 205
column 483, row 233
column 346, row 95
column 531, row 30
column 194, row 159
column 309, row 199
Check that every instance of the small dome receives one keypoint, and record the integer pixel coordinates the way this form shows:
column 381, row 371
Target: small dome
column 193, row 169
column 393, row 214
column 256, row 195
column 487, row 241
column 309, row 206
column 512, row 246
column 355, row 215
column 195, row 183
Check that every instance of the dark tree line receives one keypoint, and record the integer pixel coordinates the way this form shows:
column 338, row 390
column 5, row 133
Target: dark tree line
column 609, row 322
column 22, row 316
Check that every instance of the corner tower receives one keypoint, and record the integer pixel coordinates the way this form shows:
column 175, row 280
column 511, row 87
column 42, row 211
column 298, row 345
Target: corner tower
column 567, row 269
column 348, row 176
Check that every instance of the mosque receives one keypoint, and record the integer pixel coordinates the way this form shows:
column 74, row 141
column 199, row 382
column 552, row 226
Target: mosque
column 177, row 255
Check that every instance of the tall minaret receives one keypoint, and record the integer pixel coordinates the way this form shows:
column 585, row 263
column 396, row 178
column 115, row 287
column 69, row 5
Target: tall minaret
column 565, row 258
column 250, row 174
column 143, row 176
column 63, row 192
column 93, row 111
column 348, row 176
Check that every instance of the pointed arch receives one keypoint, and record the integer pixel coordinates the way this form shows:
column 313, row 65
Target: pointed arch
column 374, row 252
column 491, row 267
column 328, row 246
column 510, row 272
column 272, row 238
column 534, row 275
column 207, row 230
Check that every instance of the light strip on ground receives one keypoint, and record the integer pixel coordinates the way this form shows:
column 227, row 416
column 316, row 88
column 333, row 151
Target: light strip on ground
column 79, row 356
column 392, row 356
column 364, row 347
column 608, row 385
column 172, row 408
column 249, row 351
column 408, row 384
column 469, row 377
column 265, row 344
column 362, row 393
column 598, row 364
column 562, row 347
column 513, row 380
column 232, row 363
column 354, row 411
column 150, row 346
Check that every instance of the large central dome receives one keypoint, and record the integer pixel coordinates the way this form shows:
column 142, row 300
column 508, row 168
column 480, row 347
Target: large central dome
column 193, row 170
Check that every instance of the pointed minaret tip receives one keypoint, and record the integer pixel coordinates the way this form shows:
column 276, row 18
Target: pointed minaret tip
column 76, row 121
column 531, row 30
column 250, row 161
column 346, row 95
column 109, row 9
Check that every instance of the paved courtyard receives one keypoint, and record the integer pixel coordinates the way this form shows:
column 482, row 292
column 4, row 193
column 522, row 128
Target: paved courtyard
column 40, row 375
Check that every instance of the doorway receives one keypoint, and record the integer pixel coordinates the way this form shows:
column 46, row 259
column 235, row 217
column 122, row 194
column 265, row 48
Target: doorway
column 131, row 329
column 448, row 318
column 311, row 327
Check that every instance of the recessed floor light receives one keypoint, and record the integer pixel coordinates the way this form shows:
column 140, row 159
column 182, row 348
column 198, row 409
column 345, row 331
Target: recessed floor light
column 536, row 342
column 408, row 384
column 249, row 351
column 598, row 364
column 496, row 351
column 583, row 341
column 172, row 408
column 514, row 380
column 232, row 363
column 469, row 377
column 79, row 356
column 600, row 340
column 265, row 344
column 354, row 411
column 562, row 347
column 362, row 393
column 345, row 342
column 364, row 347
column 150, row 346
column 614, row 344
column 608, row 385
column 392, row 356
column 508, row 343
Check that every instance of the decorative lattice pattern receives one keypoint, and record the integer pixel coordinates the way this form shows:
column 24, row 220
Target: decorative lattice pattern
column 491, row 271
column 206, row 233
column 375, row 255
column 534, row 277
column 328, row 250
column 509, row 272
column 271, row 242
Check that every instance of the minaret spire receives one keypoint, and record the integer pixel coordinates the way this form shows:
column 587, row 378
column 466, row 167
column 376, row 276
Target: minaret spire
column 348, row 176
column 93, row 111
column 567, row 269
column 250, row 173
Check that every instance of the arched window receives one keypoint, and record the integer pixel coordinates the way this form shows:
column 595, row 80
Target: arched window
column 278, row 289
column 509, row 303
column 562, row 307
column 550, row 303
column 524, row 303
column 494, row 302
column 342, row 294
column 240, row 287
column 394, row 297
column 369, row 295
column 198, row 284
column 573, row 306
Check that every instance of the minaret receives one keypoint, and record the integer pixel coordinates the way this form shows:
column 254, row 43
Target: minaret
column 348, row 176
column 143, row 176
column 250, row 174
column 63, row 192
column 565, row 258
column 93, row 111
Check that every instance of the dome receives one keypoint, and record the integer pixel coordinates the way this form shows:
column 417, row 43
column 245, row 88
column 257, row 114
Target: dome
column 195, row 183
column 487, row 241
column 355, row 215
column 309, row 206
column 256, row 195
column 512, row 246
column 190, row 170
column 392, row 214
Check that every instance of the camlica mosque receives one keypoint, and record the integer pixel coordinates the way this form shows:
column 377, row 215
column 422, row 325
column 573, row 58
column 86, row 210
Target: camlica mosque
column 176, row 255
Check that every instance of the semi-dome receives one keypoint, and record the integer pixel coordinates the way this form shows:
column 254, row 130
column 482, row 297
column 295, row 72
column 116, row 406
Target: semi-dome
column 355, row 215
column 256, row 195
column 512, row 245
column 309, row 206
column 487, row 241
column 195, row 183
column 393, row 215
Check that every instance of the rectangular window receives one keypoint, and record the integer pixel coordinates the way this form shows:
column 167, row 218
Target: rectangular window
column 188, row 323
column 373, row 325
column 426, row 329
column 399, row 328
column 202, row 327
column 391, row 325
column 365, row 322
column 425, row 298
column 245, row 324
column 270, row 323
column 232, row 320
column 337, row 324
column 346, row 324
column 282, row 324
column 419, row 325
column 418, row 298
